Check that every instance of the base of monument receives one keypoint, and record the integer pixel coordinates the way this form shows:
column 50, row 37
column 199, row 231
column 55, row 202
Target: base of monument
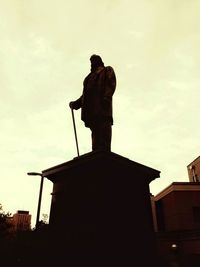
column 101, row 211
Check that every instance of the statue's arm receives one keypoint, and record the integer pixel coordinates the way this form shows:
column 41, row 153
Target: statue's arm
column 76, row 104
column 110, row 84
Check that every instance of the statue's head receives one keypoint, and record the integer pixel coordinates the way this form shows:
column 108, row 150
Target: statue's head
column 96, row 62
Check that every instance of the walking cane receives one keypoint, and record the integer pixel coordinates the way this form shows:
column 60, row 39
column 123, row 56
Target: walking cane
column 75, row 131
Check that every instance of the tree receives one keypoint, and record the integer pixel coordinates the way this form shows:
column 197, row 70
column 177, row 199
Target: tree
column 5, row 223
column 45, row 218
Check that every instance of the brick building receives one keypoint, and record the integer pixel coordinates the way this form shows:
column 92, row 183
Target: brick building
column 21, row 220
column 194, row 170
column 176, row 213
column 178, row 207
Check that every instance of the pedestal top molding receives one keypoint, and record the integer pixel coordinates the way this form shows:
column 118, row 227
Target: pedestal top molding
column 101, row 159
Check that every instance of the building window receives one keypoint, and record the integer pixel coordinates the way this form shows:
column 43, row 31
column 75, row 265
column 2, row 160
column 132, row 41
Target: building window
column 196, row 214
column 195, row 178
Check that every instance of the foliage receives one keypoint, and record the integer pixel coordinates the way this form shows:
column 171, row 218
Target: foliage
column 5, row 224
column 19, row 247
column 45, row 218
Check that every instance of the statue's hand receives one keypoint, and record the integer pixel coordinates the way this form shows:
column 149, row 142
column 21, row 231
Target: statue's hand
column 71, row 104
column 75, row 104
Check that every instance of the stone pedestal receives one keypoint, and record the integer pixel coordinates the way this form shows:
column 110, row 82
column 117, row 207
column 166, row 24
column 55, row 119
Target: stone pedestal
column 101, row 210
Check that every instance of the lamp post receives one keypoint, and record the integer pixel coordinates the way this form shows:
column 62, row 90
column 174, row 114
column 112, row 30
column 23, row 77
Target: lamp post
column 40, row 194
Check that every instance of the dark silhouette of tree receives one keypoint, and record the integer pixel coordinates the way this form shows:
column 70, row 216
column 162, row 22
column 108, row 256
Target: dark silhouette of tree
column 5, row 224
column 6, row 238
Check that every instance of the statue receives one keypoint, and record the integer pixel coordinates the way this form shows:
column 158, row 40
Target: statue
column 96, row 103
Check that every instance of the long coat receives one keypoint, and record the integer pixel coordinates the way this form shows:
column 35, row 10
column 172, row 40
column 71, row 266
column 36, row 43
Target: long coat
column 96, row 99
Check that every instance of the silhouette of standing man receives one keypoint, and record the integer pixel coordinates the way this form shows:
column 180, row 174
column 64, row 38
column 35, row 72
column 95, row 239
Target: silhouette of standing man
column 96, row 103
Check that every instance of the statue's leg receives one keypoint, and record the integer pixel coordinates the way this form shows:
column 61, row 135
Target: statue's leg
column 106, row 135
column 95, row 134
column 101, row 136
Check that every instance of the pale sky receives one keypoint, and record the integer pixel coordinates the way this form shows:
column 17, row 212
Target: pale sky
column 45, row 47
